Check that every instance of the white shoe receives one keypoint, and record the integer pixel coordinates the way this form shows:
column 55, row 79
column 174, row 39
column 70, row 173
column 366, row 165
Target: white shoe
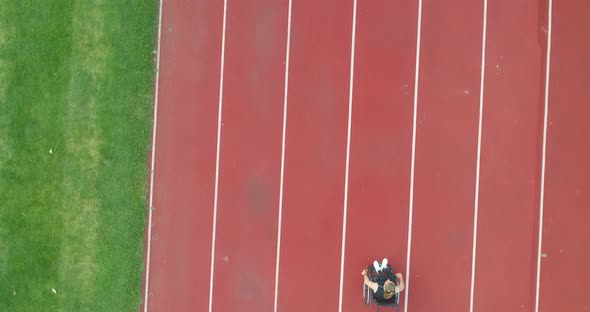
column 384, row 264
column 376, row 266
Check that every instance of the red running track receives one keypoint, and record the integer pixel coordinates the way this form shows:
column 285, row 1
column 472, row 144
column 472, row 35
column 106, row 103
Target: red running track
column 297, row 141
column 511, row 156
column 567, row 187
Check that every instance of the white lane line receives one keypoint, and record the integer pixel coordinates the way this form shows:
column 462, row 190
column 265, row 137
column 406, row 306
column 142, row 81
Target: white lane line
column 413, row 165
column 543, row 163
column 479, row 130
column 345, row 208
column 153, row 163
column 217, row 157
column 285, row 97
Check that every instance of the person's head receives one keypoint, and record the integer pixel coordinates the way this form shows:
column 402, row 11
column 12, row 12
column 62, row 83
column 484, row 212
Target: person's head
column 388, row 289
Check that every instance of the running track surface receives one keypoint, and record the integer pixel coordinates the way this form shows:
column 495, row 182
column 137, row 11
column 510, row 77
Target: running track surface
column 297, row 141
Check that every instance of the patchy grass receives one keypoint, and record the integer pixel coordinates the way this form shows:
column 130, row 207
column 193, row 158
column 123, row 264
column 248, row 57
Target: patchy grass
column 75, row 105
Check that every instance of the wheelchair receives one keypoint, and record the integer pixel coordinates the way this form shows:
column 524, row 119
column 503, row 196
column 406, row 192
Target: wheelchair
column 368, row 293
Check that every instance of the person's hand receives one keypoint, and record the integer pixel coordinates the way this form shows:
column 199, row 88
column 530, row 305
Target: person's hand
column 398, row 275
column 364, row 272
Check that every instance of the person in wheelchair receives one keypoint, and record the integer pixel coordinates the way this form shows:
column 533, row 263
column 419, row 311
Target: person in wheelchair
column 385, row 284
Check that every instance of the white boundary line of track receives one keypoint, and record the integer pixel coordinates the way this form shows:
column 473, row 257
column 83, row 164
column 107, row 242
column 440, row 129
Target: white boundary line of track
column 219, row 119
column 478, row 166
column 349, row 130
column 413, row 164
column 283, row 147
column 544, row 158
column 153, row 162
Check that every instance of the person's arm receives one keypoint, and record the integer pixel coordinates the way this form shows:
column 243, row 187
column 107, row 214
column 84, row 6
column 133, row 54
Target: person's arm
column 374, row 286
column 399, row 288
column 389, row 273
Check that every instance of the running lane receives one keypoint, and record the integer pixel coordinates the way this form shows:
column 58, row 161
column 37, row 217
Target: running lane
column 316, row 140
column 250, row 159
column 446, row 153
column 565, row 272
column 381, row 142
column 185, row 156
column 510, row 159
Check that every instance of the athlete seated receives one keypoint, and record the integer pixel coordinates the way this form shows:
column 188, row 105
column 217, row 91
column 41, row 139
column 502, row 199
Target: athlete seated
column 384, row 287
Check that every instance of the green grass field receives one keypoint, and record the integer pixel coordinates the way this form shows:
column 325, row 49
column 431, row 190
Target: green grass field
column 75, row 79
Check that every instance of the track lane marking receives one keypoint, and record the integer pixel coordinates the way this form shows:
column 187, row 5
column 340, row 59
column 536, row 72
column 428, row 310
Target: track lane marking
column 413, row 164
column 283, row 146
column 345, row 208
column 153, row 162
column 479, row 131
column 216, row 194
column 544, row 158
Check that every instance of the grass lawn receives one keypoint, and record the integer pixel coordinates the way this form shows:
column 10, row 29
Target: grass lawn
column 75, row 120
